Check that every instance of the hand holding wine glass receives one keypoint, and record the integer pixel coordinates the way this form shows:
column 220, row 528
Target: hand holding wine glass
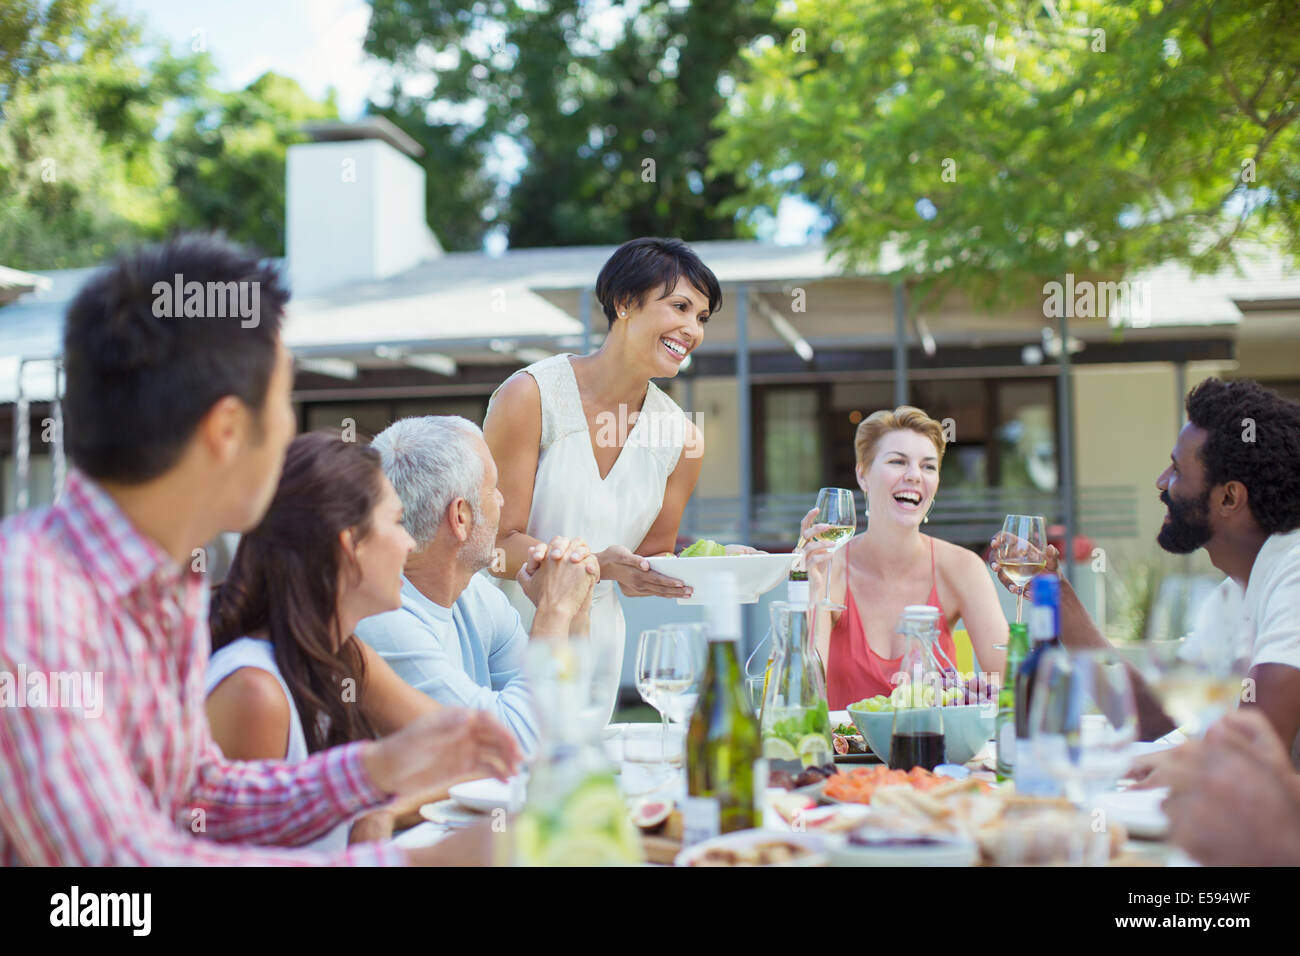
column 833, row 520
column 1019, row 552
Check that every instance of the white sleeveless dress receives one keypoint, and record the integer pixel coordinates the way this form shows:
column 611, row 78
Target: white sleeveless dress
column 571, row 499
column 251, row 652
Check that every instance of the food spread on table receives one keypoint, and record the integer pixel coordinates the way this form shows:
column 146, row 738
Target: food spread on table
column 769, row 853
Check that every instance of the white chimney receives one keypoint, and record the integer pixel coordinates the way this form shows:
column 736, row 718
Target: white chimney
column 354, row 207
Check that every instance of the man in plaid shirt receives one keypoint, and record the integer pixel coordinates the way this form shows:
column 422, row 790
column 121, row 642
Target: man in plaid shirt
column 176, row 425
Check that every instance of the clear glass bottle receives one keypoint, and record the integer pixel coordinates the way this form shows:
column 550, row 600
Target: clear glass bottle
column 575, row 814
column 795, row 720
column 917, row 737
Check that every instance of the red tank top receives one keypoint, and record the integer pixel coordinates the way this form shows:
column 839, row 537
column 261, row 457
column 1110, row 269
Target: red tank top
column 854, row 671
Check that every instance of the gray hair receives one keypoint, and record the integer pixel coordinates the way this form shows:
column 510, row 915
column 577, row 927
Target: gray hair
column 431, row 462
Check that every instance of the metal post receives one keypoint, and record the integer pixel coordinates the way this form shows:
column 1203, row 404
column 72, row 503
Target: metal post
column 1065, row 428
column 584, row 313
column 56, row 452
column 900, row 345
column 743, row 413
column 1180, row 387
column 22, row 442
column 688, row 406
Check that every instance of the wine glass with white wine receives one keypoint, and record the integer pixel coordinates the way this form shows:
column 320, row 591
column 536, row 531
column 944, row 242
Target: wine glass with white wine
column 1021, row 552
column 836, row 518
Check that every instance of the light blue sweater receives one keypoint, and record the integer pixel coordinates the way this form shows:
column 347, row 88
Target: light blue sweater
column 468, row 655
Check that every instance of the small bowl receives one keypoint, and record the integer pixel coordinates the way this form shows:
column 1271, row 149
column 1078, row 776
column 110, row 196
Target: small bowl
column 965, row 730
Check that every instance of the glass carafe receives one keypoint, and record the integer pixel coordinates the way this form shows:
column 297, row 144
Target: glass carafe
column 917, row 737
column 575, row 814
column 795, row 721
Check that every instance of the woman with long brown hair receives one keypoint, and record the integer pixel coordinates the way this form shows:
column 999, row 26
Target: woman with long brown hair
column 288, row 677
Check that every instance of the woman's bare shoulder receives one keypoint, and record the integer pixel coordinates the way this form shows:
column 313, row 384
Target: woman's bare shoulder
column 957, row 565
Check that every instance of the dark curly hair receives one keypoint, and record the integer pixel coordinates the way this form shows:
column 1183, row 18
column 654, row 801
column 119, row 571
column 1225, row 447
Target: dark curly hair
column 1269, row 466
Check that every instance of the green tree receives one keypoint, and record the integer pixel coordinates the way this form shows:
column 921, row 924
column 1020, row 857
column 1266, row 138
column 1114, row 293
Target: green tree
column 992, row 143
column 81, row 168
column 613, row 116
column 227, row 155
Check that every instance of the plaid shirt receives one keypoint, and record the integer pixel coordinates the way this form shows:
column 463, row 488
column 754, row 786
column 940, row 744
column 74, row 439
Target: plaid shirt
column 83, row 592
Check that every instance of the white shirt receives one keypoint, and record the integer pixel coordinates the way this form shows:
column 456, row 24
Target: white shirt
column 251, row 652
column 1266, row 616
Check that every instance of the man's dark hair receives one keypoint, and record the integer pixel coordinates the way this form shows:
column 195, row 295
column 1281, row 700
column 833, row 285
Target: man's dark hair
column 139, row 383
column 1252, row 436
column 640, row 266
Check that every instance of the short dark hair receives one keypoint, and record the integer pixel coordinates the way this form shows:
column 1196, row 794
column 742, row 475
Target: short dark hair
column 1252, row 436
column 139, row 383
column 640, row 266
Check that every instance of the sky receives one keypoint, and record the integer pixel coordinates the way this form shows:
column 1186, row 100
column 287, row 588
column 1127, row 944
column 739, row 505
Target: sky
column 319, row 44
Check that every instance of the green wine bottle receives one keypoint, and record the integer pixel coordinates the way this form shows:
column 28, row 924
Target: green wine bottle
column 726, row 776
column 1005, row 724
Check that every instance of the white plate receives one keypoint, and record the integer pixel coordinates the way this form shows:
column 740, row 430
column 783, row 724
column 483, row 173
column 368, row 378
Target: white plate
column 448, row 813
column 954, row 853
column 484, row 796
column 756, row 574
column 1137, row 810
column 811, row 842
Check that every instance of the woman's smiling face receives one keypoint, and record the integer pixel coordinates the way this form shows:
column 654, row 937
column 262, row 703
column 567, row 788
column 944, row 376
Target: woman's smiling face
column 667, row 327
column 901, row 480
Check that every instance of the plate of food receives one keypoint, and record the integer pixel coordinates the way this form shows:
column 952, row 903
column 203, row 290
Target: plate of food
column 756, row 573
column 756, row 848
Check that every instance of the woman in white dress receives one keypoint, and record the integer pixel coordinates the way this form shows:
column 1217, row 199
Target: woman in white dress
column 589, row 447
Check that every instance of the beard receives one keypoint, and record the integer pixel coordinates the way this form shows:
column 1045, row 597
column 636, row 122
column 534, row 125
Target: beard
column 480, row 546
column 1188, row 527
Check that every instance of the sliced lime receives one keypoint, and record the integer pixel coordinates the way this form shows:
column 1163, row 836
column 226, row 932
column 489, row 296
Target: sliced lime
column 774, row 748
column 814, row 750
column 585, row 849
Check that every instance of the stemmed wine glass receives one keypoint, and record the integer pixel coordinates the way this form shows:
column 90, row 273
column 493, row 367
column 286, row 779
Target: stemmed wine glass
column 668, row 668
column 836, row 518
column 1021, row 551
column 1197, row 682
column 1082, row 720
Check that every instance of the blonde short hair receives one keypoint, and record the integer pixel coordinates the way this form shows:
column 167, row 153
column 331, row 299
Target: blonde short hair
column 904, row 417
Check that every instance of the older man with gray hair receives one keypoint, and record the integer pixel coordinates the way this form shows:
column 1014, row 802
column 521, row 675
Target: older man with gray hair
column 456, row 636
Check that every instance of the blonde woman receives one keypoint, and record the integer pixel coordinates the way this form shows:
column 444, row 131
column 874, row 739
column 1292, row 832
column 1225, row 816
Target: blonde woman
column 892, row 564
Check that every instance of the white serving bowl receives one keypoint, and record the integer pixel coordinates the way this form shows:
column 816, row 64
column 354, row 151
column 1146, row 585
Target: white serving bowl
column 756, row 574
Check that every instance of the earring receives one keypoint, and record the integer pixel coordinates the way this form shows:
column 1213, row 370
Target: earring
column 623, row 314
column 926, row 519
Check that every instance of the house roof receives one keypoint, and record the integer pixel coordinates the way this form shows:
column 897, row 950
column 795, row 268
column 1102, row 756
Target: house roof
column 473, row 306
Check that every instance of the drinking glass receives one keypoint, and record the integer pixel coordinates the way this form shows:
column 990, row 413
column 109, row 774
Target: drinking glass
column 1197, row 682
column 836, row 517
column 1021, row 551
column 647, row 650
column 684, row 648
column 1082, row 720
column 669, row 668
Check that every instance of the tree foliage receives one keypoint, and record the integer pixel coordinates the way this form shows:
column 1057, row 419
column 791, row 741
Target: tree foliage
column 107, row 139
column 589, row 93
column 986, row 144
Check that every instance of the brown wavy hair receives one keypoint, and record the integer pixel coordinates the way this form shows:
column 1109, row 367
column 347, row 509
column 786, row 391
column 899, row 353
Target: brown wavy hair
column 284, row 579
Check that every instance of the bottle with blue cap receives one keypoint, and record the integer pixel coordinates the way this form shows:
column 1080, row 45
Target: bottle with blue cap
column 1044, row 633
